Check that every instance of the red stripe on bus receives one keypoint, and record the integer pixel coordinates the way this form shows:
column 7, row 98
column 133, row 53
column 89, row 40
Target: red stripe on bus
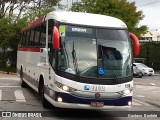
column 29, row 49
column 33, row 24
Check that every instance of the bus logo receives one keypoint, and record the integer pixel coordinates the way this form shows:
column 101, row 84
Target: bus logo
column 86, row 87
column 97, row 95
column 79, row 30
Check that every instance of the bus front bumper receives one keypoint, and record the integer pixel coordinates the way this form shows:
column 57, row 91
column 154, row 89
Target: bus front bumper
column 64, row 100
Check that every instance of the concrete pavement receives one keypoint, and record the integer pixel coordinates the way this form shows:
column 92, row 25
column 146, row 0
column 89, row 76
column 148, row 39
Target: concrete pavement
column 154, row 81
column 4, row 72
column 9, row 76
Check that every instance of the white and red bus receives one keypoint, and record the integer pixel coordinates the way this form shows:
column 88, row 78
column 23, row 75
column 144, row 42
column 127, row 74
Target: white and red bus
column 63, row 57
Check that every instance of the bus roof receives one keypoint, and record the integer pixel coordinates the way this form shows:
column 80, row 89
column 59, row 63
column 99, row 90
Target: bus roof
column 87, row 19
column 33, row 24
column 80, row 18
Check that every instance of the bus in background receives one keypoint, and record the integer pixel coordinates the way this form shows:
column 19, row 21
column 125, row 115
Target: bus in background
column 78, row 60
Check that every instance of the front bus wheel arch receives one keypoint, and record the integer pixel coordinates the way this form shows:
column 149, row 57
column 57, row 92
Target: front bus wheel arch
column 45, row 103
column 22, row 83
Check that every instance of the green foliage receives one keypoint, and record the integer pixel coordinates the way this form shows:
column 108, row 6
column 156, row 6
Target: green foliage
column 151, row 52
column 6, row 33
column 121, row 9
column 11, row 24
column 9, row 38
column 40, row 9
column 34, row 14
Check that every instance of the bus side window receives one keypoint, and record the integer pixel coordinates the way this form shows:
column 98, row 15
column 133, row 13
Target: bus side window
column 28, row 37
column 37, row 36
column 20, row 44
column 32, row 36
column 43, row 35
column 24, row 39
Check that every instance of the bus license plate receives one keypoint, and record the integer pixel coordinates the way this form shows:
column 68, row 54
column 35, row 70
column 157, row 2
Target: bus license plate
column 97, row 104
column 97, row 88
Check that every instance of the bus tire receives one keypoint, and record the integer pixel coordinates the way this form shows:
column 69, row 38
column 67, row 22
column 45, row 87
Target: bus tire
column 22, row 83
column 45, row 103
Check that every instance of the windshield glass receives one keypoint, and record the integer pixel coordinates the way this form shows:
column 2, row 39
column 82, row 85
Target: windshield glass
column 94, row 52
column 114, row 53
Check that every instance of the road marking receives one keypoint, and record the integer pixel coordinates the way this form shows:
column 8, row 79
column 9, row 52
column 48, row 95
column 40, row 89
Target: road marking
column 153, row 84
column 10, row 78
column 135, row 103
column 138, row 102
column 156, row 78
column 19, row 96
column 147, row 88
column 8, row 86
column 0, row 95
column 155, row 91
column 140, row 96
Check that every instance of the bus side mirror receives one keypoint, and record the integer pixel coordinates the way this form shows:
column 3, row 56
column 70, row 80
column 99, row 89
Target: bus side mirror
column 136, row 44
column 55, row 38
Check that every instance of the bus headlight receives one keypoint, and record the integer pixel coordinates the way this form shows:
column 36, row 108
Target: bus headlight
column 59, row 99
column 125, row 92
column 64, row 87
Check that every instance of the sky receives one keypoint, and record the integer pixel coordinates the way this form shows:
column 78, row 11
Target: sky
column 150, row 9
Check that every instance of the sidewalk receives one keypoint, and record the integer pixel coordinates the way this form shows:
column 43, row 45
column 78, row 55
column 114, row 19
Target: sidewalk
column 3, row 75
column 11, row 73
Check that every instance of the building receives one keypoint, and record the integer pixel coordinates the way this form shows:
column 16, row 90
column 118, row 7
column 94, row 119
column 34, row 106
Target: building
column 151, row 35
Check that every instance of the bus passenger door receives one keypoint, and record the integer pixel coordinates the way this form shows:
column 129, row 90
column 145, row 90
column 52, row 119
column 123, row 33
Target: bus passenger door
column 51, row 55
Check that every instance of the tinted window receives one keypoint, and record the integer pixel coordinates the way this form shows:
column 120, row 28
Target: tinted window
column 32, row 37
column 43, row 35
column 109, row 34
column 37, row 36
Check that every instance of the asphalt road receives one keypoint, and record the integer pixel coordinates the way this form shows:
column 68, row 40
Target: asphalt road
column 13, row 99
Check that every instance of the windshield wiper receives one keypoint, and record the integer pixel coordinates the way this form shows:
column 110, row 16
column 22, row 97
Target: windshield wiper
column 113, row 74
column 75, row 59
column 115, row 77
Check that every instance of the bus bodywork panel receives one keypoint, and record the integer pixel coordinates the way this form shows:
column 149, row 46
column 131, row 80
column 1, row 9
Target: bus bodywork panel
column 87, row 19
column 33, row 63
column 82, row 97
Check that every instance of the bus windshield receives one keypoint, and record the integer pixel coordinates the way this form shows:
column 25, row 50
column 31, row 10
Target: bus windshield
column 94, row 52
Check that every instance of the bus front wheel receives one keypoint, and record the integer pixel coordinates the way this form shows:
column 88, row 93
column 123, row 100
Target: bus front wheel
column 45, row 103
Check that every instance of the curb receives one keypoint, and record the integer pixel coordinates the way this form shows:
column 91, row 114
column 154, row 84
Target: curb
column 10, row 73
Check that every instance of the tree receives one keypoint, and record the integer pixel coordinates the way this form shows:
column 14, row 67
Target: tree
column 9, row 38
column 12, row 21
column 13, row 9
column 40, row 8
column 151, row 52
column 121, row 9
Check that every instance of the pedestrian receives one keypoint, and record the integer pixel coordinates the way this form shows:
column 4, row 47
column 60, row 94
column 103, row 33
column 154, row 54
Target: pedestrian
column 8, row 65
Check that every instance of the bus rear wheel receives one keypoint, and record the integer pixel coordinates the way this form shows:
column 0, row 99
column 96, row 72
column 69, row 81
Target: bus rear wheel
column 45, row 103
